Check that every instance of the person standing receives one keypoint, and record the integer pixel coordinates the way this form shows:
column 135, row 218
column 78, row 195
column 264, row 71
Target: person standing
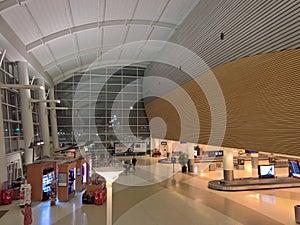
column 27, row 213
column 133, row 161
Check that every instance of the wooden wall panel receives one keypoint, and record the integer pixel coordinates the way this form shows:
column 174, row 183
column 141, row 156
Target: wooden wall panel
column 262, row 96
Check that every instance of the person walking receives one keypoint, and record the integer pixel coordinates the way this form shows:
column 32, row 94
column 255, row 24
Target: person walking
column 27, row 213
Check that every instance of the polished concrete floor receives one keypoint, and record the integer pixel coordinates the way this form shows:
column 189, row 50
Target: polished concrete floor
column 153, row 195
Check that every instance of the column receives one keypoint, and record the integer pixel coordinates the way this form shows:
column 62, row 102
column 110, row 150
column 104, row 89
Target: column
column 190, row 152
column 43, row 118
column 154, row 144
column 254, row 164
column 26, row 112
column 3, row 167
column 228, row 165
column 254, row 160
column 53, row 121
column 109, row 203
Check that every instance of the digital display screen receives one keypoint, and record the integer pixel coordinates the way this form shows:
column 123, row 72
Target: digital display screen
column 294, row 166
column 266, row 170
column 47, row 180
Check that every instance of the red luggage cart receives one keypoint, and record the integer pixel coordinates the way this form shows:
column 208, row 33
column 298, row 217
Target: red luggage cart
column 98, row 197
column 7, row 196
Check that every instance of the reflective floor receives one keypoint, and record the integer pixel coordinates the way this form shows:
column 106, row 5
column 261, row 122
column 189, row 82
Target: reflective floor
column 153, row 195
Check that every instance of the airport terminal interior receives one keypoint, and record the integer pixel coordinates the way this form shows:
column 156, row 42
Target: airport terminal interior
column 158, row 112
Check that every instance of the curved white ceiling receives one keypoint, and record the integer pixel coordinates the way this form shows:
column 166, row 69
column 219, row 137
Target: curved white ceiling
column 58, row 36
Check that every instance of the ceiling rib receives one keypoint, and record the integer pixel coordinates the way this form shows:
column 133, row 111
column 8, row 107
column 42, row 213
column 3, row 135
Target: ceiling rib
column 41, row 34
column 75, row 38
column 72, row 56
column 100, row 30
column 162, row 11
column 9, row 3
column 84, row 68
column 83, row 27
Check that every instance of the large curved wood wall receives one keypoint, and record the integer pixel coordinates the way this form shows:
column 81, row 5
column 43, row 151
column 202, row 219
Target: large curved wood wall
column 262, row 96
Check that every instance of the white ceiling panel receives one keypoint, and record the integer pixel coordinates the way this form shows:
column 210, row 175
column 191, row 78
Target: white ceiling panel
column 149, row 10
column 84, row 13
column 69, row 65
column 51, row 16
column 177, row 10
column 129, row 54
column 63, row 46
column 137, row 33
column 42, row 54
column 11, row 53
column 161, row 33
column 65, row 27
column 113, row 35
column 19, row 20
column 88, row 39
column 88, row 58
column 54, row 72
column 119, row 9
column 109, row 57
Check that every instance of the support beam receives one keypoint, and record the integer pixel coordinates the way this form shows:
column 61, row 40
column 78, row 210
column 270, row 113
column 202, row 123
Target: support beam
column 53, row 121
column 94, row 25
column 43, row 117
column 26, row 112
column 3, row 168
column 228, row 164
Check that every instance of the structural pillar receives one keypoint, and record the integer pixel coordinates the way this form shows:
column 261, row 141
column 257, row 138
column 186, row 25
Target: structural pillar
column 254, row 160
column 3, row 167
column 26, row 113
column 43, row 118
column 154, row 144
column 109, row 203
column 228, row 165
column 53, row 121
column 190, row 152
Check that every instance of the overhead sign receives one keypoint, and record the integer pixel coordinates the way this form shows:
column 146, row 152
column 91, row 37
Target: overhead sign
column 164, row 143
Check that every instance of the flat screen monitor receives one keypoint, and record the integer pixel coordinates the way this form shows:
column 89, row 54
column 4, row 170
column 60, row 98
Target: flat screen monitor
column 266, row 171
column 294, row 166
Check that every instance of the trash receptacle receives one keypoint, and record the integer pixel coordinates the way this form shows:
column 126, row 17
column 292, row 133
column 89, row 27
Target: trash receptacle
column 297, row 213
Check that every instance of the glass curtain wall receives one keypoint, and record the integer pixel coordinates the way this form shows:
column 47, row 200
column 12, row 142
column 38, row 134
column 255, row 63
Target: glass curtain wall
column 106, row 108
column 11, row 109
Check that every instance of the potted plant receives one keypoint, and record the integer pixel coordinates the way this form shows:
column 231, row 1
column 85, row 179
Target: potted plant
column 183, row 159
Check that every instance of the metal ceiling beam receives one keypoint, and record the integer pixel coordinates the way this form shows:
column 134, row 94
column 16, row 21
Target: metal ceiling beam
column 74, row 56
column 83, row 68
column 9, row 3
column 88, row 26
column 15, row 41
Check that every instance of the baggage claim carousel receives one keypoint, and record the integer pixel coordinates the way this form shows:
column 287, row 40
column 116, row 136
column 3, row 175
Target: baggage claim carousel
column 246, row 184
column 266, row 180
